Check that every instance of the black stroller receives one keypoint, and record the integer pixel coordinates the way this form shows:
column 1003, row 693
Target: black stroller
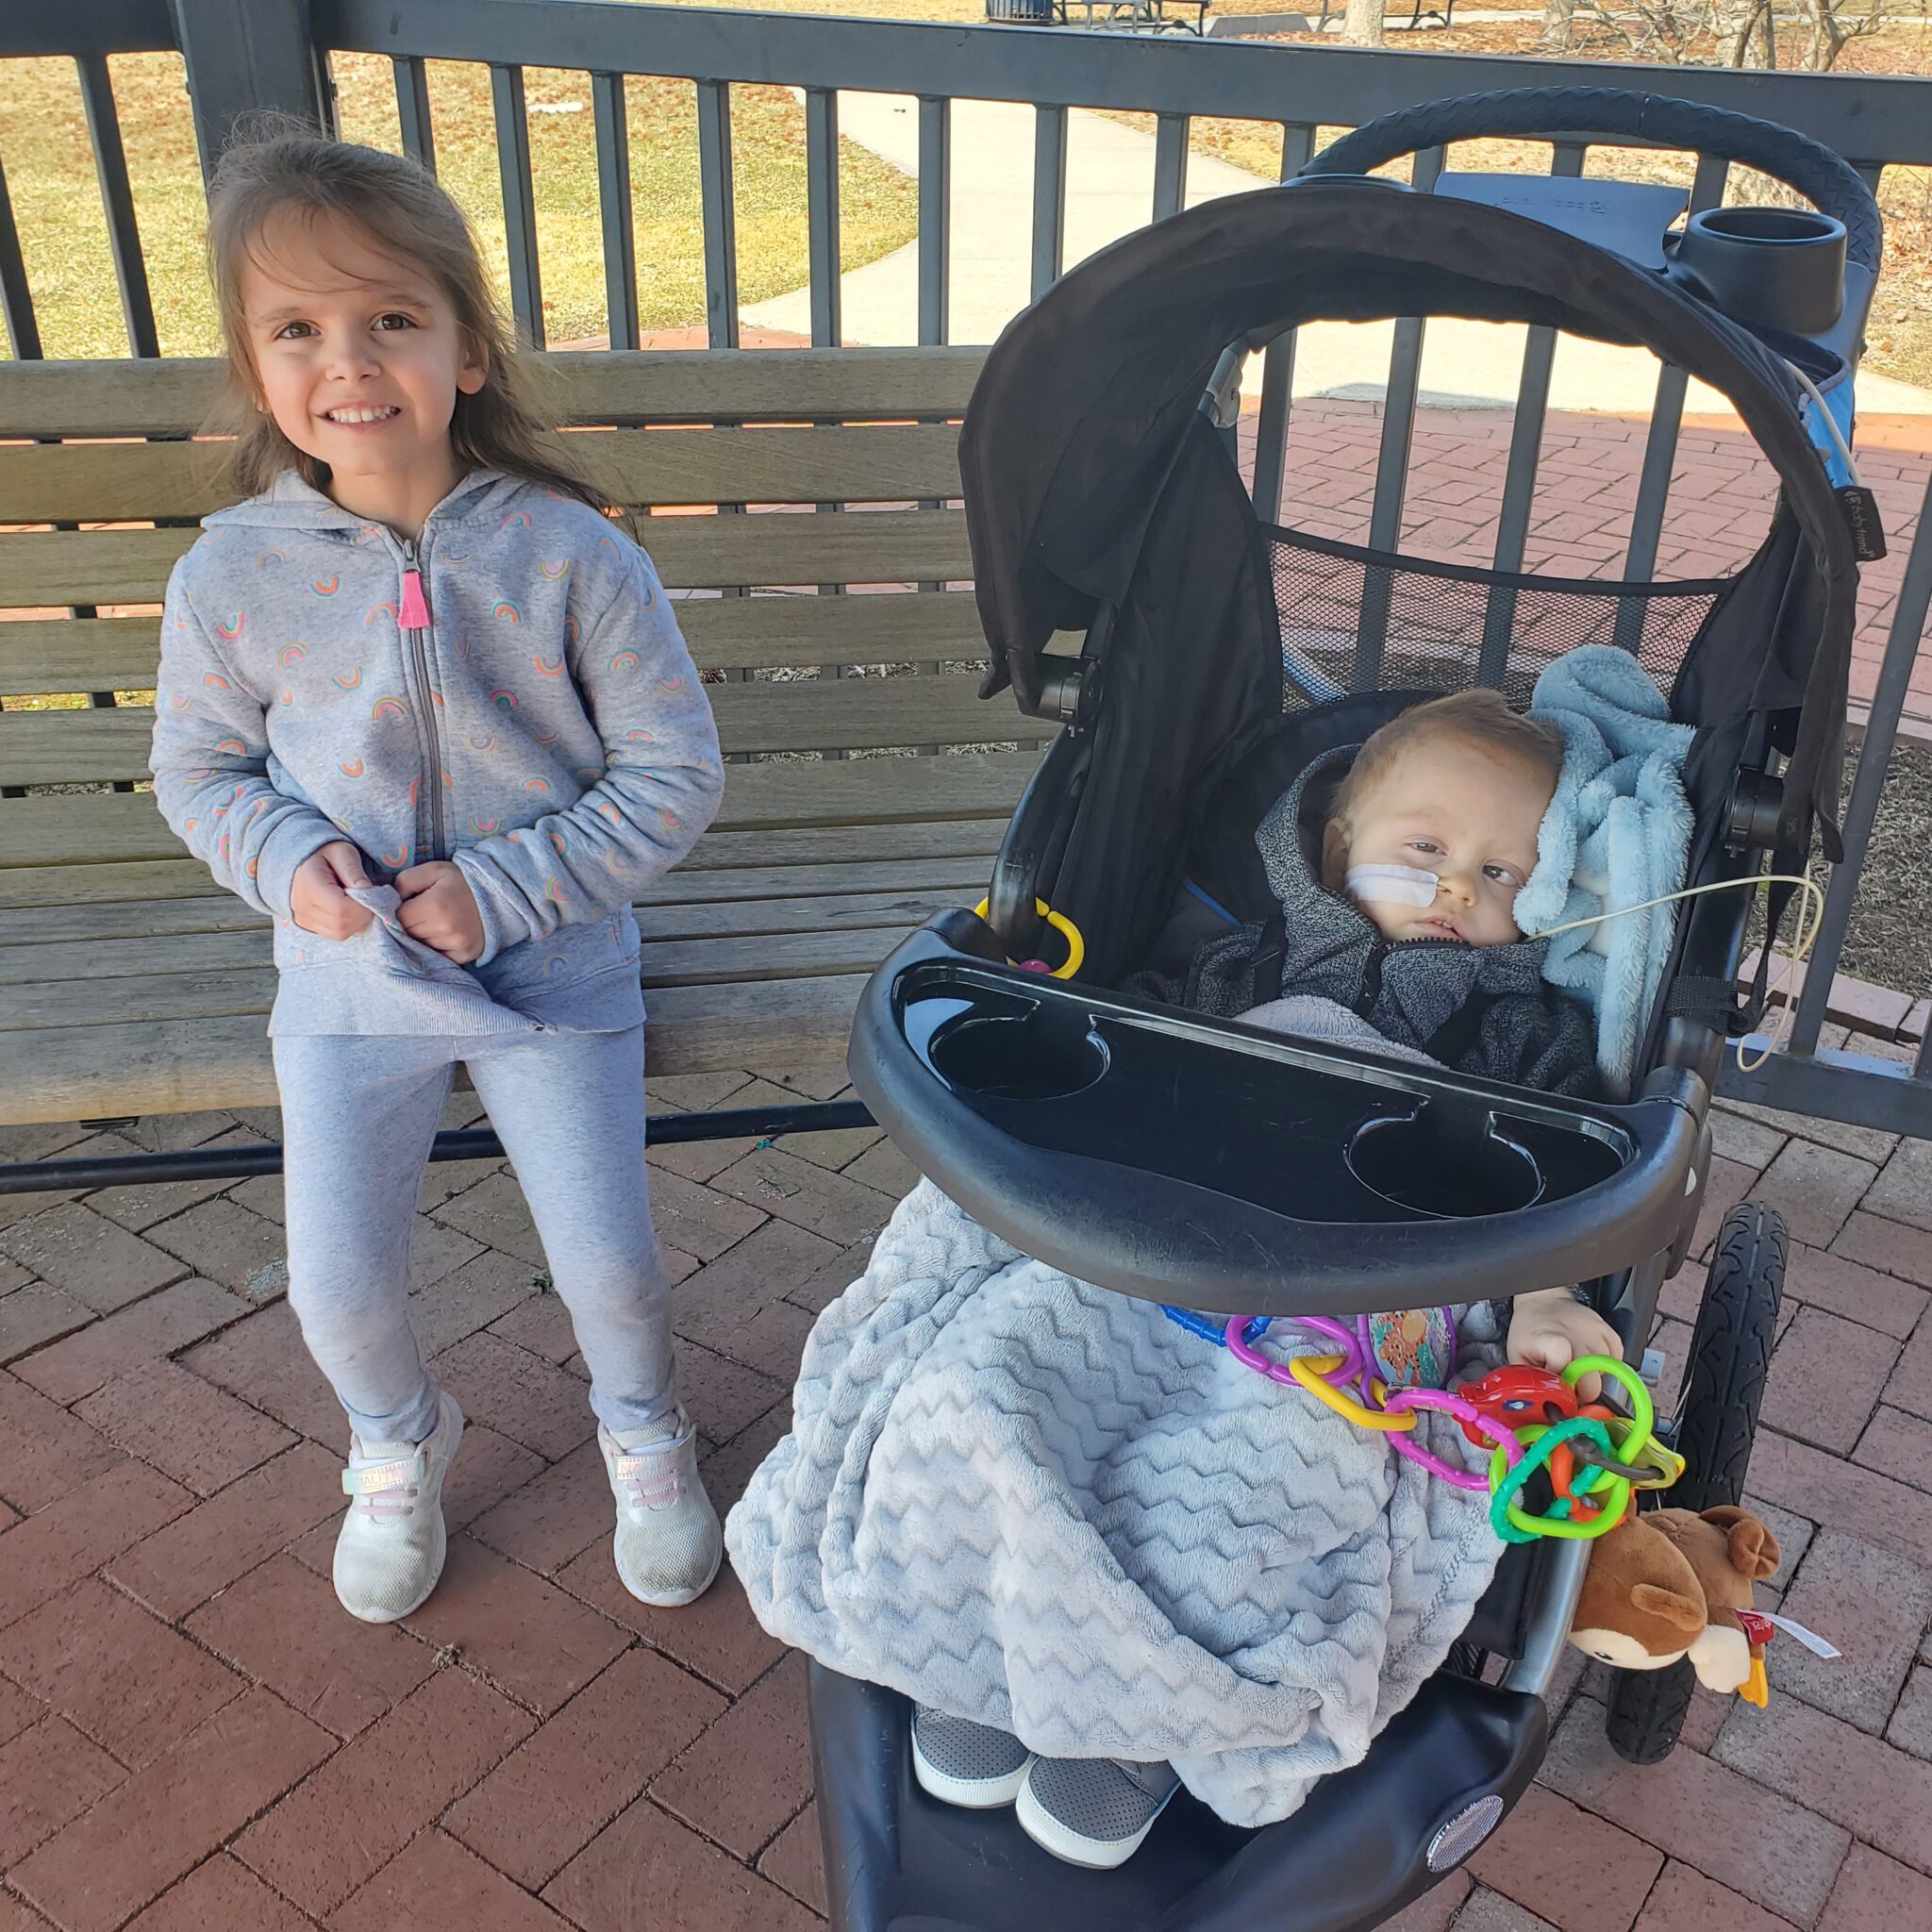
column 1143, row 1149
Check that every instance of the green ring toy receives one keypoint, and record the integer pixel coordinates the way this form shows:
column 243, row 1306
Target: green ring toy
column 1517, row 1526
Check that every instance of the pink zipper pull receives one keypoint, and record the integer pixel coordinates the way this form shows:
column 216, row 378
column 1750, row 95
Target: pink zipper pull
column 414, row 615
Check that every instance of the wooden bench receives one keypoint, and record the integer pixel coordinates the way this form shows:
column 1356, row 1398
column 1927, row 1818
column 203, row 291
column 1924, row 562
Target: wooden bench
column 855, row 805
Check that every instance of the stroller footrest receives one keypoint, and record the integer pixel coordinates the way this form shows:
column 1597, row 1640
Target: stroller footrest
column 1442, row 1775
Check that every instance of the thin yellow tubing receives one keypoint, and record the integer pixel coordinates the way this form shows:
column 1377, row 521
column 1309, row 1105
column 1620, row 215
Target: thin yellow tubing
column 1810, row 923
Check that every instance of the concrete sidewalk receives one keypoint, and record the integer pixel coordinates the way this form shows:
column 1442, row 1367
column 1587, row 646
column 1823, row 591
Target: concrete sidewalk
column 1110, row 192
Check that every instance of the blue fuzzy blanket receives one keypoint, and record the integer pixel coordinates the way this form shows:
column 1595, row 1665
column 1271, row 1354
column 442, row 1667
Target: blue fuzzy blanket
column 1616, row 833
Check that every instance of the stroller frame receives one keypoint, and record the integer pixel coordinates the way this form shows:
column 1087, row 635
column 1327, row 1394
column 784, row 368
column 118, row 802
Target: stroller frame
column 1173, row 765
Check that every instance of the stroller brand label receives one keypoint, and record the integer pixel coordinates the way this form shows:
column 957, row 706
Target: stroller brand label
column 1861, row 510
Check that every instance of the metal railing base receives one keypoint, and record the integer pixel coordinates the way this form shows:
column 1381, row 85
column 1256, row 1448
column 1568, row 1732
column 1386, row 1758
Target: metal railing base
column 465, row 1144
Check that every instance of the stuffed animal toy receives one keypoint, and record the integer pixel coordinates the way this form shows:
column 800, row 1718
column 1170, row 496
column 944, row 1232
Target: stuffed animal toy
column 1670, row 1584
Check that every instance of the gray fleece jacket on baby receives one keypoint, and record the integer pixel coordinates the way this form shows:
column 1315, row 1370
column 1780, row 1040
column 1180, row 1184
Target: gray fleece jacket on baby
column 510, row 692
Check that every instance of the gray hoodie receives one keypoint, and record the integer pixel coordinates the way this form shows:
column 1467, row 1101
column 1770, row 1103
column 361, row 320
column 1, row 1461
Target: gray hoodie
column 510, row 692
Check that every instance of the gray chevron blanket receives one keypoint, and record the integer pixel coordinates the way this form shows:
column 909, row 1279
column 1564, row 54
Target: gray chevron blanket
column 1044, row 1506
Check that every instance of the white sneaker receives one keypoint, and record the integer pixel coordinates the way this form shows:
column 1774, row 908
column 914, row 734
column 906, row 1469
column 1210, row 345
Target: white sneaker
column 390, row 1551
column 669, row 1541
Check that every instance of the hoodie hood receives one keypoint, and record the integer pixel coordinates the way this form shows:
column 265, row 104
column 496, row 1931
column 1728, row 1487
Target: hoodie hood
column 1479, row 1009
column 290, row 504
column 1332, row 947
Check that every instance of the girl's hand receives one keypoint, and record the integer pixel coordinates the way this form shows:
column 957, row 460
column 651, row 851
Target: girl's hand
column 317, row 902
column 1551, row 1329
column 440, row 910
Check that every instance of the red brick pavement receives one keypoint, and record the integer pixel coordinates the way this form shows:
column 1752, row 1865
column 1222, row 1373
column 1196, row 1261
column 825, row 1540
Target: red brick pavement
column 1719, row 507
column 193, row 1735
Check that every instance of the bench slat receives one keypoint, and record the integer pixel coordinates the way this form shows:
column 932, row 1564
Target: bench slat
column 51, row 655
column 791, row 797
column 190, row 1066
column 24, row 887
column 179, row 992
column 849, row 714
column 117, row 482
column 69, row 829
column 44, row 655
column 221, row 951
column 177, row 394
column 699, row 552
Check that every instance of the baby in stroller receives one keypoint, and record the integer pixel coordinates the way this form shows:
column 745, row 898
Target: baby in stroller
column 980, row 1492
column 1397, row 873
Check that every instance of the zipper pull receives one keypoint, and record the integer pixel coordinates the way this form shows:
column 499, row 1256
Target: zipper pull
column 415, row 613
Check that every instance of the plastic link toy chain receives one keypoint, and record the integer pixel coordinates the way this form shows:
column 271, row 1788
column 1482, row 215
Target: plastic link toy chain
column 1596, row 1458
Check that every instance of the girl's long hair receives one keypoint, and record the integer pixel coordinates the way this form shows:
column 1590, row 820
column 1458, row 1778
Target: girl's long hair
column 277, row 166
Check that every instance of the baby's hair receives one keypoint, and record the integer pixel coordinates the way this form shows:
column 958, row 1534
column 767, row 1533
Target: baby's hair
column 1479, row 715
column 276, row 165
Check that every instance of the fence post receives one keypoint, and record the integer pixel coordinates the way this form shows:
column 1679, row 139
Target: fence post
column 242, row 54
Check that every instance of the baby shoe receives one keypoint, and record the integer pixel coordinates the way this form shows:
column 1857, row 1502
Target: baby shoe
column 669, row 1542
column 392, row 1541
column 1093, row 1811
column 964, row 1763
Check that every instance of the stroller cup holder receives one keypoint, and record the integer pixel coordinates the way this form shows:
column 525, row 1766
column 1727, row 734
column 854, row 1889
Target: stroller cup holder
column 1426, row 1160
column 1005, row 1047
column 1776, row 268
column 1182, row 1159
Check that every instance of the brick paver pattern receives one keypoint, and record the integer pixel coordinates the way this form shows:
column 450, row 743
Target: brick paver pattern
column 193, row 1733
column 1719, row 507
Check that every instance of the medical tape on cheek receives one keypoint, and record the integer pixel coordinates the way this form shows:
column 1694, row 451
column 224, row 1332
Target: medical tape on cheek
column 1393, row 885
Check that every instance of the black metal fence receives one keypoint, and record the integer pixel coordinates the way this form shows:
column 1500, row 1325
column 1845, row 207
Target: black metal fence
column 244, row 53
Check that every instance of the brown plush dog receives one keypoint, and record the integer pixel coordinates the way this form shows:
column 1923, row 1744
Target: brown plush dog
column 1669, row 1585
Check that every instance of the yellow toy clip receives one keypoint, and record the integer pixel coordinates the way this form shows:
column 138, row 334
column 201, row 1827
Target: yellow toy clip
column 1076, row 946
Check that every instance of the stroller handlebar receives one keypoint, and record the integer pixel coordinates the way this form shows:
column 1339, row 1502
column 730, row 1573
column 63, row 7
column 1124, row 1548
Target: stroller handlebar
column 1183, row 1160
column 1602, row 113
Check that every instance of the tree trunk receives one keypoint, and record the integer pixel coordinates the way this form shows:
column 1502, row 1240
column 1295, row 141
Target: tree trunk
column 1362, row 24
column 1559, row 26
column 1741, row 30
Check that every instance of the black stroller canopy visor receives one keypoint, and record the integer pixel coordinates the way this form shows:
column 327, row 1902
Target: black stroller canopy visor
column 1087, row 397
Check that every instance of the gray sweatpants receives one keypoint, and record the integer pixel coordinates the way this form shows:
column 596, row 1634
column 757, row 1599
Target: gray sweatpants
column 359, row 1113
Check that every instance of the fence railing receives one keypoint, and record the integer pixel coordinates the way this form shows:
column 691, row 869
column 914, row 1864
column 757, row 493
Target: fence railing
column 244, row 53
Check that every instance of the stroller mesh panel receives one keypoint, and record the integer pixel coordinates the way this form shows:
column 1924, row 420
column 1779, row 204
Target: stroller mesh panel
column 1354, row 619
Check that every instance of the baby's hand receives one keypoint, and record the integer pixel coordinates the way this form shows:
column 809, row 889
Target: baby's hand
column 317, row 902
column 440, row 910
column 1549, row 1328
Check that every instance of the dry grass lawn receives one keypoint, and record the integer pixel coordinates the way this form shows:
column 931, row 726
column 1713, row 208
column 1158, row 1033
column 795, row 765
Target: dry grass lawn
column 63, row 233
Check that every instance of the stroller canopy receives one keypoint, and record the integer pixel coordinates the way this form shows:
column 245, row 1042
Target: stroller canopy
column 1088, row 402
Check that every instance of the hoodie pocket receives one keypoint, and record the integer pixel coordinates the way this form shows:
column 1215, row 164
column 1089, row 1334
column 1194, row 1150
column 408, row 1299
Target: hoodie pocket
column 568, row 958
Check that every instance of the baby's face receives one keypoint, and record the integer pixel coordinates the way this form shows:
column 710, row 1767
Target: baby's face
column 1466, row 812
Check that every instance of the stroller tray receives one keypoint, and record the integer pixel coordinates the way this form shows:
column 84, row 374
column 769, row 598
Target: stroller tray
column 1184, row 1158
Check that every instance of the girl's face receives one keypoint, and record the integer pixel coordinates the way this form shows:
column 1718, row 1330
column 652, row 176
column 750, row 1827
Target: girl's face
column 357, row 354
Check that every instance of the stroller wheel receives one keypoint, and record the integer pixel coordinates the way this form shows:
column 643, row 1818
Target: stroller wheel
column 1717, row 1419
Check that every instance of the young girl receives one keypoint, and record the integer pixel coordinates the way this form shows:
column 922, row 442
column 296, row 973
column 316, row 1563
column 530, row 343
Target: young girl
column 427, row 706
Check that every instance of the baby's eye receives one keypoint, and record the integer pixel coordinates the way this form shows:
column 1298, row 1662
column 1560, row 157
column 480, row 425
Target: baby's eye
column 294, row 331
column 395, row 319
column 1424, row 845
column 1503, row 875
